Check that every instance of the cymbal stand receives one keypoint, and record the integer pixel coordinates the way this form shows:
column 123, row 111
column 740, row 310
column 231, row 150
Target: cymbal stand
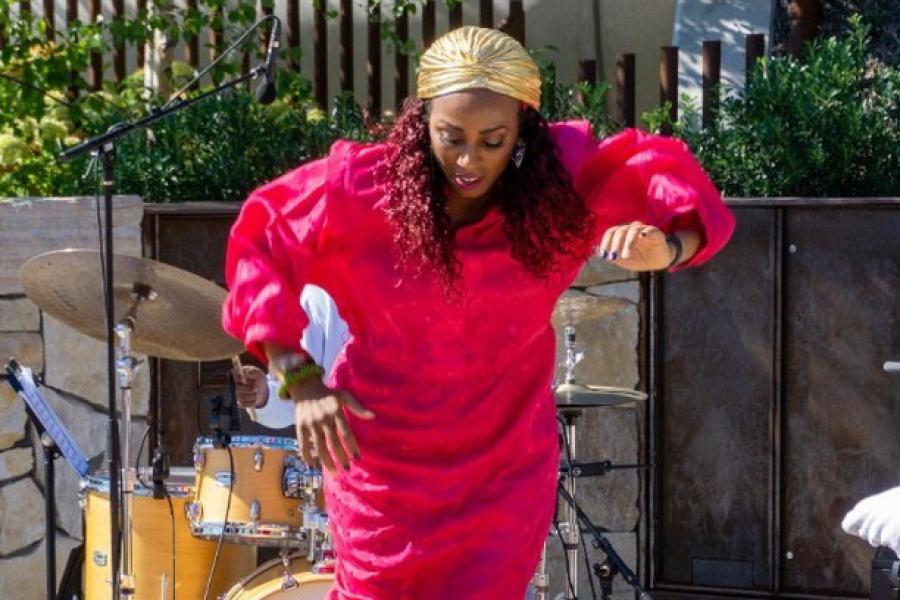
column 125, row 367
column 569, row 530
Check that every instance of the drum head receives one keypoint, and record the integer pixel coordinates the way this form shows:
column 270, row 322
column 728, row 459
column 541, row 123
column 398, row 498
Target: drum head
column 268, row 582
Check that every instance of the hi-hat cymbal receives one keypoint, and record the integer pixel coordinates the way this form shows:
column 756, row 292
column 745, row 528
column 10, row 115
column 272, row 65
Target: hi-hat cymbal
column 575, row 395
column 180, row 320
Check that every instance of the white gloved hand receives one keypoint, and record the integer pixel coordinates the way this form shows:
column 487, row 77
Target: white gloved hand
column 876, row 519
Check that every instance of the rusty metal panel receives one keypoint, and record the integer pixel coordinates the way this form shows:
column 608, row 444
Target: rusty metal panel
column 715, row 451
column 195, row 242
column 842, row 319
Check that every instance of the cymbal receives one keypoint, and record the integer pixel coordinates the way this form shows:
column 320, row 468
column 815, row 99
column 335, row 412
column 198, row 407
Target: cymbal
column 179, row 320
column 575, row 395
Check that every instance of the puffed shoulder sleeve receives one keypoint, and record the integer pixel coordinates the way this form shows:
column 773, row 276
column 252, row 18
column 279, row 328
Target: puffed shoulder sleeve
column 270, row 253
column 637, row 176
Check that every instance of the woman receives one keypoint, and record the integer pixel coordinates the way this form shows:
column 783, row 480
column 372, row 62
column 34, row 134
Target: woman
column 446, row 249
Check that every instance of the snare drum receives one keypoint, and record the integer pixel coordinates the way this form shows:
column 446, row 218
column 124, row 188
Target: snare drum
column 276, row 581
column 152, row 544
column 268, row 489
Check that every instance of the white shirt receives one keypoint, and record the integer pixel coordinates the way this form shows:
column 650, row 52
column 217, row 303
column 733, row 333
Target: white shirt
column 323, row 339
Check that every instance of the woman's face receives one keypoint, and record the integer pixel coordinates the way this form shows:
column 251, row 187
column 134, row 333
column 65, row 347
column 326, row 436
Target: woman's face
column 473, row 134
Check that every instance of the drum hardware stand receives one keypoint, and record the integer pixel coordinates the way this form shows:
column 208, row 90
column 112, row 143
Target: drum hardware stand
column 571, row 401
column 102, row 149
column 126, row 365
column 51, row 453
column 56, row 441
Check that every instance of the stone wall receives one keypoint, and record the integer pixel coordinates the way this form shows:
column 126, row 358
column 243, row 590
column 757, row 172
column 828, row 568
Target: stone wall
column 73, row 369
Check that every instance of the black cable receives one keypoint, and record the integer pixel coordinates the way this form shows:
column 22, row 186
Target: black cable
column 137, row 470
column 587, row 567
column 137, row 461
column 212, row 568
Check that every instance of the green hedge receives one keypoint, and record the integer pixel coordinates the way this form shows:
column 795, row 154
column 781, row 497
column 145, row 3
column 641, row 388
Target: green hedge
column 826, row 125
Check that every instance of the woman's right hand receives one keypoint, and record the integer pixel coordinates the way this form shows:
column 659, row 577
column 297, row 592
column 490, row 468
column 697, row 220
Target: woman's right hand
column 320, row 421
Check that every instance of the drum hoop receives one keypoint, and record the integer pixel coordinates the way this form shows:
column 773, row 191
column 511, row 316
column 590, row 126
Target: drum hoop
column 255, row 534
column 250, row 441
column 275, row 563
column 100, row 483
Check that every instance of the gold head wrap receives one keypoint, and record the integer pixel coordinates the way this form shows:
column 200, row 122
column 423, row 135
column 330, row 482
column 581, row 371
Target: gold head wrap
column 478, row 57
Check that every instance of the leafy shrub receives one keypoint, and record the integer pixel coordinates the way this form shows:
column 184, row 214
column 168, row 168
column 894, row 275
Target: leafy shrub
column 825, row 125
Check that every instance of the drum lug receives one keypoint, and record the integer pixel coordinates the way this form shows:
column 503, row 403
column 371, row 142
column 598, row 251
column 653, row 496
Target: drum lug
column 258, row 459
column 287, row 579
column 292, row 482
column 254, row 511
column 99, row 558
column 193, row 511
column 199, row 459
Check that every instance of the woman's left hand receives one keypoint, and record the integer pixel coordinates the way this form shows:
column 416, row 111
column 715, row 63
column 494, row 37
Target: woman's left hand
column 636, row 247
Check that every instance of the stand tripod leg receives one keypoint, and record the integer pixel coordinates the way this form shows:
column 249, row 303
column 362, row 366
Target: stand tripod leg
column 49, row 514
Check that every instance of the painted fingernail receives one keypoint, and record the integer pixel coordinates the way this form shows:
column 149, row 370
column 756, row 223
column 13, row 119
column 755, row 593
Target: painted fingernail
column 613, row 255
column 603, row 254
column 356, row 456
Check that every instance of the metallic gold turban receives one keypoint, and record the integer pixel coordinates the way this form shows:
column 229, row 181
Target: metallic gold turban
column 477, row 57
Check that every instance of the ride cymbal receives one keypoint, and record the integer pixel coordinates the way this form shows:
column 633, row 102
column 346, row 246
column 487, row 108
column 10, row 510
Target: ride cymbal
column 575, row 395
column 179, row 319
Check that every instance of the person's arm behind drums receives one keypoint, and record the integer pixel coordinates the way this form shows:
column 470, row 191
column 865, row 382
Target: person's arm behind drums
column 323, row 338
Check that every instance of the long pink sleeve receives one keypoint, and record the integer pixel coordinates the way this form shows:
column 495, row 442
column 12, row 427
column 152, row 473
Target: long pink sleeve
column 270, row 253
column 637, row 176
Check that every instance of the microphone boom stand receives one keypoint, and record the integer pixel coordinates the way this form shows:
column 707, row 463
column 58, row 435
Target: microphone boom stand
column 103, row 147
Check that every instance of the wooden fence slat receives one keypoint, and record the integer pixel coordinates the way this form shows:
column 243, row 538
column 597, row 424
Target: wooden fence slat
column 625, row 89
column 587, row 73
column 216, row 34
column 486, row 13
column 515, row 24
column 119, row 49
column 293, row 29
column 96, row 70
column 712, row 74
column 267, row 29
column 192, row 43
column 756, row 49
column 141, row 8
column 456, row 16
column 429, row 22
column 50, row 19
column 71, row 17
column 24, row 9
column 347, row 45
column 668, row 83
column 320, row 56
column 401, row 72
column 373, row 66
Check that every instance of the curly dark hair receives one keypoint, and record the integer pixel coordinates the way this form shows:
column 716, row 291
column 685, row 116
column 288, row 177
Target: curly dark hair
column 544, row 217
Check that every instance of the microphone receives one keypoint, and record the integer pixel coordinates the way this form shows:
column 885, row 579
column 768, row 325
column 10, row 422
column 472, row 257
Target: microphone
column 265, row 92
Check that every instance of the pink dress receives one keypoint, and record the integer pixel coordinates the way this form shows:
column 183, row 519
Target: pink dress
column 454, row 492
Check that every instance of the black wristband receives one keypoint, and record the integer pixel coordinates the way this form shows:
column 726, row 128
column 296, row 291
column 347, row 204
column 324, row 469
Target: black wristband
column 679, row 249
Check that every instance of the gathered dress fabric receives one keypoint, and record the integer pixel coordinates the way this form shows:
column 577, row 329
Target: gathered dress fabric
column 454, row 492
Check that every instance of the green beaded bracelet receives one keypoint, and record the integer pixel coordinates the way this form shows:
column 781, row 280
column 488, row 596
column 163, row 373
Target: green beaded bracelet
column 297, row 375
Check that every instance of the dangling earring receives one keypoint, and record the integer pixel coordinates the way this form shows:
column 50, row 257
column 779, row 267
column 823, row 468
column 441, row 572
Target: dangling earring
column 519, row 154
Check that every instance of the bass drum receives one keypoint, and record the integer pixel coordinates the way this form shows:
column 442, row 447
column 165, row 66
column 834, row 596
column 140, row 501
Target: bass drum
column 275, row 581
column 152, row 544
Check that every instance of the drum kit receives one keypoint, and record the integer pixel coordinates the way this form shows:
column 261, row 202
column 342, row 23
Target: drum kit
column 242, row 492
